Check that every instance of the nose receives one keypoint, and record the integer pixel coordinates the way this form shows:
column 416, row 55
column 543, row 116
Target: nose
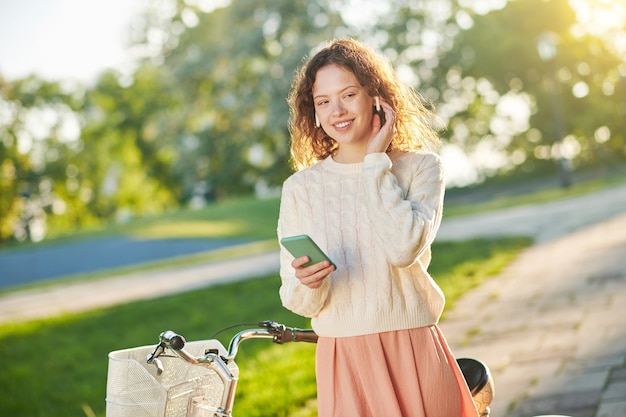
column 337, row 108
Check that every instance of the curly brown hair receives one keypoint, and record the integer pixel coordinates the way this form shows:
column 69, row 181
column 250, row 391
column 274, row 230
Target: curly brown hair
column 413, row 122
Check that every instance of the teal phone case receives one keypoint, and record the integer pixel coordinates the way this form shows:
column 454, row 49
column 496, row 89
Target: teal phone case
column 303, row 245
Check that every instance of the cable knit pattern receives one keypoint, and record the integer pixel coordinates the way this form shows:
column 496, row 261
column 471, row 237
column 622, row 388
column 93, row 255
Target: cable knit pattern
column 376, row 220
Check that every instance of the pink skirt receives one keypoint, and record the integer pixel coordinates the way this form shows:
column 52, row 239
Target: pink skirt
column 407, row 373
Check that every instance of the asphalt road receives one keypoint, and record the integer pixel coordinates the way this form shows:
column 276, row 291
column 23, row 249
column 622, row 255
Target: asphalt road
column 48, row 262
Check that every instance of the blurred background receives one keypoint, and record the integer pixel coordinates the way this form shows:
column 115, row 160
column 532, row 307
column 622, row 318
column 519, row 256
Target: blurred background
column 111, row 110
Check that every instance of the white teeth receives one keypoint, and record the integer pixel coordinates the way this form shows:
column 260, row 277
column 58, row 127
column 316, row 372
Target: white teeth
column 340, row 125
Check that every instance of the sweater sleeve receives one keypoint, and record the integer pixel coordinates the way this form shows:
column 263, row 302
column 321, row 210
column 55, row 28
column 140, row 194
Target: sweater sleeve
column 294, row 295
column 405, row 203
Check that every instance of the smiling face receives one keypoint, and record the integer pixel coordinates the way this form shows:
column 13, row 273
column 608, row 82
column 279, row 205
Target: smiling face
column 344, row 109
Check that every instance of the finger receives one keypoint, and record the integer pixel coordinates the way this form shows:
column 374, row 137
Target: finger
column 376, row 124
column 303, row 272
column 315, row 272
column 299, row 262
column 316, row 280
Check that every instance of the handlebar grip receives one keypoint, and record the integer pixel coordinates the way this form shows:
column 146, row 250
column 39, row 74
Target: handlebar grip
column 173, row 340
column 289, row 334
column 304, row 336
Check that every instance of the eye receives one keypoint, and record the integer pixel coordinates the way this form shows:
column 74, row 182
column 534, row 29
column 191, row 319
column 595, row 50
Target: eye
column 321, row 102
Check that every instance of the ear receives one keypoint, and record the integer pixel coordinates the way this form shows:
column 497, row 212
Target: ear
column 377, row 103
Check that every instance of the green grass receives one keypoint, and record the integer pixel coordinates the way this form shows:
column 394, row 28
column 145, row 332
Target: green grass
column 57, row 367
column 244, row 217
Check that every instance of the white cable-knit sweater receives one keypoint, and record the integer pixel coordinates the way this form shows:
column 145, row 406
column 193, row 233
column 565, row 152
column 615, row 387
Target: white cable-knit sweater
column 376, row 220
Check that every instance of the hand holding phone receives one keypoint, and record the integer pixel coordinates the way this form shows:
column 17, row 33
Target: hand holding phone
column 303, row 245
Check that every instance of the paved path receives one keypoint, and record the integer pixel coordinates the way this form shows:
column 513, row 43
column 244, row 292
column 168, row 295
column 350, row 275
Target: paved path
column 552, row 326
column 544, row 222
column 82, row 296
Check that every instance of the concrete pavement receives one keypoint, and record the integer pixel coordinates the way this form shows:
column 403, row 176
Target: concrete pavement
column 552, row 326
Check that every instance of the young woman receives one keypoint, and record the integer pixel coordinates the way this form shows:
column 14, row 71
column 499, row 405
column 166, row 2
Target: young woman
column 369, row 191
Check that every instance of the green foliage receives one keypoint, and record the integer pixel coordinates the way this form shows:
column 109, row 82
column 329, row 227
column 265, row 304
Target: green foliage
column 501, row 51
column 129, row 163
column 208, row 121
column 473, row 60
column 33, row 153
column 58, row 366
column 234, row 70
column 204, row 115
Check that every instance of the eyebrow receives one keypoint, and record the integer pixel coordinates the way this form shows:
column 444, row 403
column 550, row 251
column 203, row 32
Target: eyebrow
column 340, row 91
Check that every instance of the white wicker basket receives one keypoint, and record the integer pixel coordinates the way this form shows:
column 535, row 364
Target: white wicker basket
column 183, row 390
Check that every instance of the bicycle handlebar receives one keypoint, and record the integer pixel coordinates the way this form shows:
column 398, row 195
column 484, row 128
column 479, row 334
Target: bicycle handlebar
column 279, row 333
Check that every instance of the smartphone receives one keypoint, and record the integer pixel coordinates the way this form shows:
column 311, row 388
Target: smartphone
column 303, row 245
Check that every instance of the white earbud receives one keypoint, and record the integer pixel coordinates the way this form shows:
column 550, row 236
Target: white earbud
column 377, row 101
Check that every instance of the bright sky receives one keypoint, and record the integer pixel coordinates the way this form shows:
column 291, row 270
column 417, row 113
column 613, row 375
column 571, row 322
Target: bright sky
column 60, row 39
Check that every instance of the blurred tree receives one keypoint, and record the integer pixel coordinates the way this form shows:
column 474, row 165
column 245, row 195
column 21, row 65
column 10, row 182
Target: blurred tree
column 233, row 68
column 204, row 113
column 540, row 88
column 129, row 159
column 14, row 166
column 502, row 105
column 39, row 128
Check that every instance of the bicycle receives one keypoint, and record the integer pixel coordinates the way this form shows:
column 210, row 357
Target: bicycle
column 200, row 379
